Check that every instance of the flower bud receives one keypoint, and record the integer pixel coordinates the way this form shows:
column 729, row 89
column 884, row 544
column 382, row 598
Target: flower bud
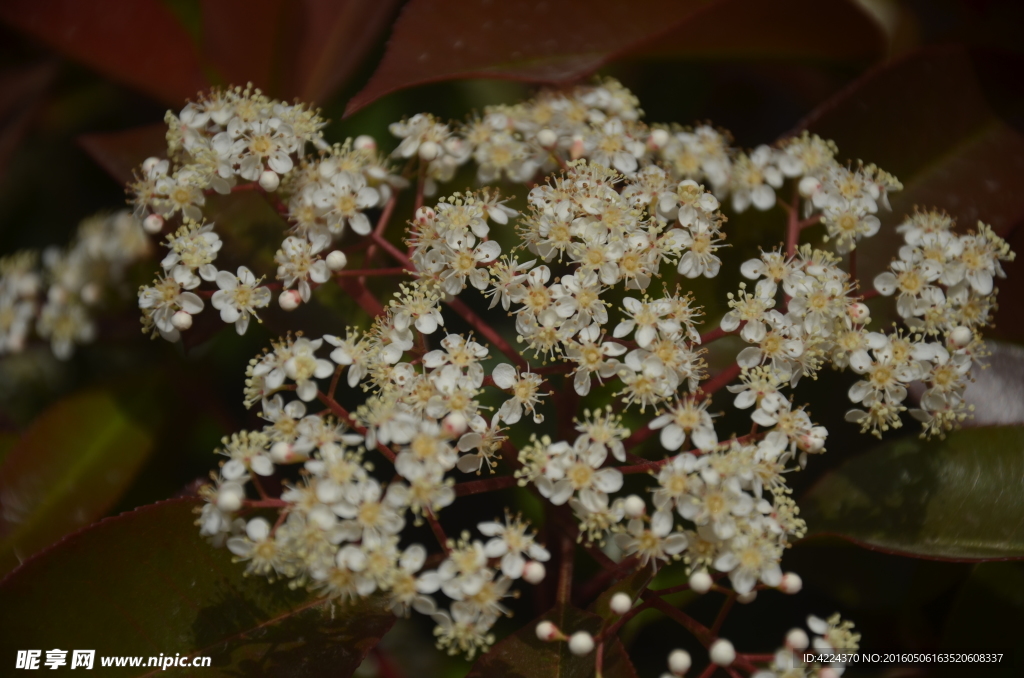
column 455, row 424
column 620, row 603
column 257, row 529
column 578, row 149
column 230, row 496
column 547, row 138
column 809, row 186
column 148, row 164
column 269, row 181
column 364, row 142
column 961, row 336
column 859, row 313
column 797, row 639
column 700, row 582
column 181, row 321
column 534, row 572
column 289, row 300
column 337, row 260
column 634, row 506
column 281, row 452
column 679, row 662
column 581, row 643
column 747, row 597
column 791, row 583
column 722, row 652
column 658, row 138
column 547, row 631
column 828, row 672
column 327, row 169
column 91, row 293
column 425, row 214
column 429, row 150
column 153, row 224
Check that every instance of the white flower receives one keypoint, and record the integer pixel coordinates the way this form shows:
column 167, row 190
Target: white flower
column 525, row 390
column 510, row 542
column 656, row 543
column 687, row 416
column 303, row 367
column 239, row 297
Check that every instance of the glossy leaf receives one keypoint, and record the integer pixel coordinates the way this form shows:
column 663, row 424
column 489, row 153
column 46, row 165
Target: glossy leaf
column 558, row 42
column 961, row 498
column 121, row 153
column 71, row 465
column 145, row 583
column 137, row 42
column 330, row 42
column 945, row 121
column 523, row 655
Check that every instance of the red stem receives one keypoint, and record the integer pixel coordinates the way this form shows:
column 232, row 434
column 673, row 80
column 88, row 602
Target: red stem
column 719, row 380
column 485, row 485
column 793, row 226
column 488, row 332
column 723, row 613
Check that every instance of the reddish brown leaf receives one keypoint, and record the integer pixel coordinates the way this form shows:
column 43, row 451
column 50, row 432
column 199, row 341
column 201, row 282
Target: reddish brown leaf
column 330, row 40
column 557, row 42
column 943, row 120
column 20, row 92
column 783, row 29
column 137, row 42
column 240, row 38
column 121, row 152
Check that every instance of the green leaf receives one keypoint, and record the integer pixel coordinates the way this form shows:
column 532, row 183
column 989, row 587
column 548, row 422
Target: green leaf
column 523, row 655
column 68, row 469
column 560, row 42
column 961, row 498
column 145, row 583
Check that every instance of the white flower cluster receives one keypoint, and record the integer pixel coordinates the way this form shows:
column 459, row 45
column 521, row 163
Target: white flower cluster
column 59, row 299
column 620, row 205
column 944, row 287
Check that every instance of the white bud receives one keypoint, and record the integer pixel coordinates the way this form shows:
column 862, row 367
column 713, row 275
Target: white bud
column 425, row 214
column 679, row 662
column 455, row 424
column 534, row 572
column 578, row 148
column 809, row 186
column 364, row 142
column 269, row 181
column 289, row 300
column 581, row 643
column 91, row 293
column 337, row 260
column 658, row 138
column 327, row 169
column 634, row 506
column 230, row 496
column 547, row 138
column 859, row 313
column 257, row 529
column 281, row 452
column 181, row 321
column 797, row 639
column 961, row 336
column 148, row 164
column 722, row 652
column 153, row 224
column 746, row 598
column 547, row 631
column 429, row 150
column 701, row 581
column 791, row 583
column 620, row 603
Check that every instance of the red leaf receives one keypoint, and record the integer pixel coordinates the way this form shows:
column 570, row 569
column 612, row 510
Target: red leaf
column 331, row 40
column 137, row 42
column 121, row 152
column 20, row 91
column 240, row 38
column 807, row 29
column 943, row 121
column 558, row 42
